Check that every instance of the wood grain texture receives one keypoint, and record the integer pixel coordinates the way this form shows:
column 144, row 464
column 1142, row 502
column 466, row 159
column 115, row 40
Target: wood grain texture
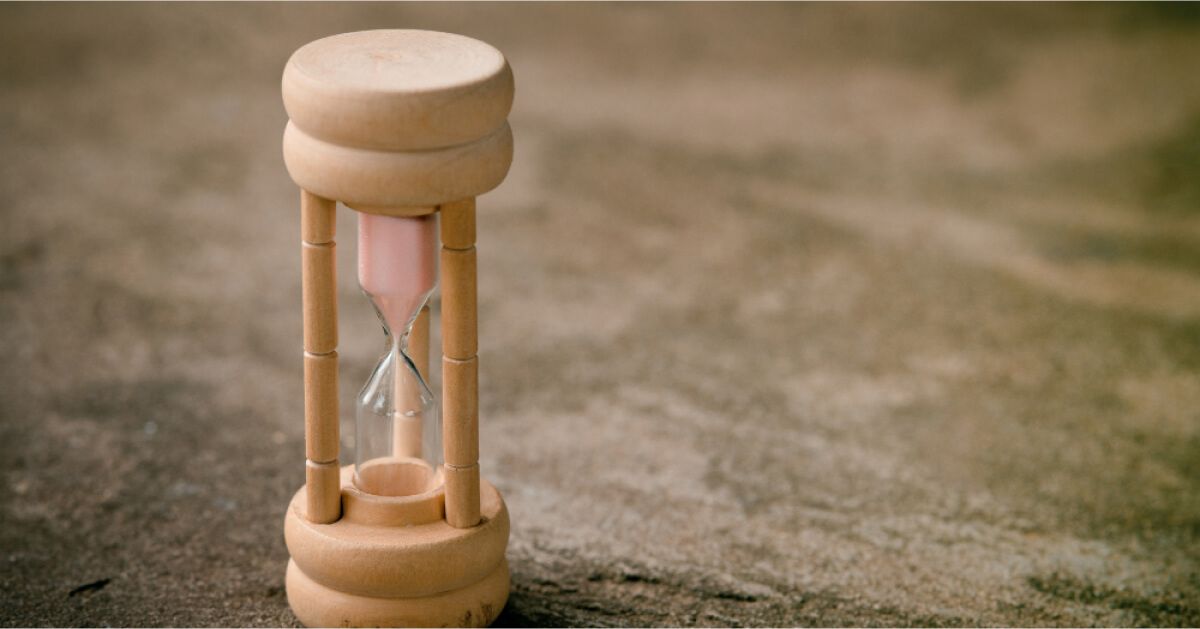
column 318, row 218
column 408, row 553
column 321, row 407
column 462, row 495
column 458, row 224
column 368, row 179
column 461, row 413
column 319, row 281
column 460, row 327
column 323, row 491
column 319, row 271
column 460, row 375
column 474, row 605
column 398, row 90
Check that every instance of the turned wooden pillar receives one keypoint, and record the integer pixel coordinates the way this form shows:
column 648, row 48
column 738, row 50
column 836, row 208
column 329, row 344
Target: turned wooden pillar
column 319, row 277
column 460, row 364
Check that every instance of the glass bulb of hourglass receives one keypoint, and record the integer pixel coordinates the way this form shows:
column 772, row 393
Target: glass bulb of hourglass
column 398, row 429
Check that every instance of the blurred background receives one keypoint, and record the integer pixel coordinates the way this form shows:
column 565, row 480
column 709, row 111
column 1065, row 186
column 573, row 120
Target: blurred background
column 790, row 314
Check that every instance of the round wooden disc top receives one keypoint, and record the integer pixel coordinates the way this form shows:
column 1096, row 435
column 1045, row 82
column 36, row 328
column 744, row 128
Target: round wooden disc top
column 398, row 90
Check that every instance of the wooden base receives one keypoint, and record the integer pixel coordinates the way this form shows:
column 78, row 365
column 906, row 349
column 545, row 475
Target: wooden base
column 476, row 605
column 353, row 573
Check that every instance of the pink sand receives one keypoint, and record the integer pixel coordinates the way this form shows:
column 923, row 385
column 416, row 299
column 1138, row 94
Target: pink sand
column 397, row 264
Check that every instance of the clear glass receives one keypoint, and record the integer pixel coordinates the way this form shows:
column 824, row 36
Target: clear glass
column 398, row 430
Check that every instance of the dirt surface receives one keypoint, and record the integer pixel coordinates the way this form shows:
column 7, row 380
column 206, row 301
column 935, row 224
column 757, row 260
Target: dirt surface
column 790, row 315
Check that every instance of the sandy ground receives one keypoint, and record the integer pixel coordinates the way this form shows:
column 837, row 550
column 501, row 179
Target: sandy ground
column 790, row 315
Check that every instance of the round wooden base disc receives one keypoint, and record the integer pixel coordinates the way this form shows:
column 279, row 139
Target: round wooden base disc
column 476, row 605
column 371, row 572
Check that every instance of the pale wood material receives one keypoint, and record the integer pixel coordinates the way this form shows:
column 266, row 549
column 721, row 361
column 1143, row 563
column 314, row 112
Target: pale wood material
column 461, row 412
column 362, row 507
column 318, row 262
column 399, row 211
column 323, row 492
column 477, row 604
column 319, row 268
column 460, row 327
column 321, row 407
column 458, row 224
column 462, row 495
column 395, row 477
column 398, row 90
column 318, row 219
column 473, row 605
column 460, row 381
column 368, row 558
column 371, row 180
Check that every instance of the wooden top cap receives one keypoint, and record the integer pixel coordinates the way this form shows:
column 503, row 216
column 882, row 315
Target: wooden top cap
column 397, row 90
column 397, row 122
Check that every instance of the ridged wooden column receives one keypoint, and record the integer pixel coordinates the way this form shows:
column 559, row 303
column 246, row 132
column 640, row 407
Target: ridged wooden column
column 460, row 364
column 319, row 264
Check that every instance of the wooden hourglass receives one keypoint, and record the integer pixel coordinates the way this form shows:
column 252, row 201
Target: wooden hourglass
column 405, row 127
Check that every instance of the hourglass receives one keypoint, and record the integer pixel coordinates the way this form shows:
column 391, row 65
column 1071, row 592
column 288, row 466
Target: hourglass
column 406, row 128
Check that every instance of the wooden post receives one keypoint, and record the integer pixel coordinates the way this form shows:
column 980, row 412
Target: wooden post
column 319, row 266
column 460, row 364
